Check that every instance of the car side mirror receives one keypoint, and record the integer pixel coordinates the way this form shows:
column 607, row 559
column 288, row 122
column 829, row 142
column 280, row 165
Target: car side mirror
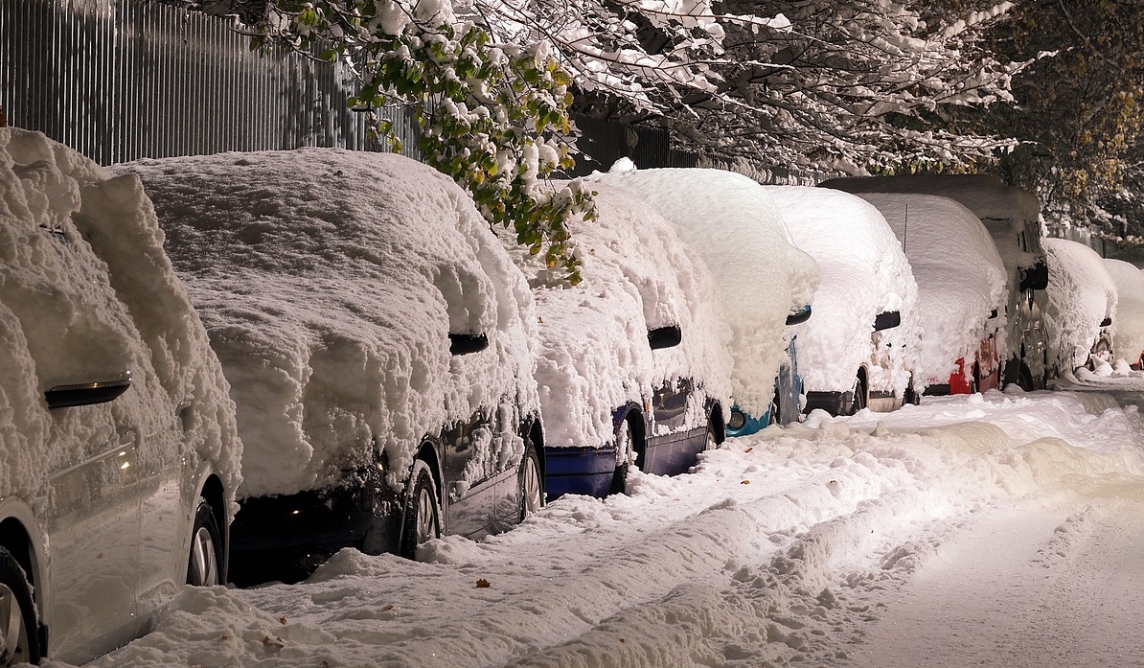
column 798, row 317
column 465, row 344
column 887, row 320
column 664, row 337
column 85, row 394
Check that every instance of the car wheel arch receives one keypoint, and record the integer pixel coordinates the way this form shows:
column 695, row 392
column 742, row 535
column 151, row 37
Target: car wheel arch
column 635, row 417
column 29, row 554
column 213, row 491
column 535, row 433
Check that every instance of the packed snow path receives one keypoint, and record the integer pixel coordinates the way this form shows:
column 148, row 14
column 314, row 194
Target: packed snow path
column 1024, row 587
column 983, row 530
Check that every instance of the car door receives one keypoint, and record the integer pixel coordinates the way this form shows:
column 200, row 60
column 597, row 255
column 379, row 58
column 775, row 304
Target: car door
column 467, row 470
column 164, row 514
column 93, row 529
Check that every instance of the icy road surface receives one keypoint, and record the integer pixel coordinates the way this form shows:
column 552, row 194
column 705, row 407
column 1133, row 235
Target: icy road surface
column 1004, row 529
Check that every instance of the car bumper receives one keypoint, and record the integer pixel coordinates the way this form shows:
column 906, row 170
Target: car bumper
column 745, row 424
column 835, row 403
column 286, row 537
column 586, row 471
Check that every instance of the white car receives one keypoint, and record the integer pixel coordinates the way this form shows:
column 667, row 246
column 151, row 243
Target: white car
column 379, row 343
column 859, row 347
column 766, row 284
column 1128, row 335
column 1012, row 216
column 634, row 365
column 961, row 291
column 1082, row 303
column 120, row 449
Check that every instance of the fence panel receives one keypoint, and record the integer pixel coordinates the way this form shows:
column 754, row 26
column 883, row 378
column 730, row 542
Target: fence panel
column 124, row 79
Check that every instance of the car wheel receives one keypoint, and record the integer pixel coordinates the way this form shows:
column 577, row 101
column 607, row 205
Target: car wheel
column 710, row 439
column 859, row 401
column 19, row 642
column 624, row 455
column 422, row 520
column 531, row 482
column 203, row 567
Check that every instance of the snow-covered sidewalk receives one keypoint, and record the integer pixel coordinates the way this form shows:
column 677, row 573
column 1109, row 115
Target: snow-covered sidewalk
column 969, row 529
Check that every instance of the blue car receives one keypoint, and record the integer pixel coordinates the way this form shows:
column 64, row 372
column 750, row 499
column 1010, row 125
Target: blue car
column 633, row 366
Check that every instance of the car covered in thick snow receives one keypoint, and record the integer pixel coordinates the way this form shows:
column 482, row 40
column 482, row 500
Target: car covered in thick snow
column 859, row 347
column 765, row 283
column 1128, row 335
column 120, row 450
column 1012, row 216
column 1082, row 304
column 379, row 344
column 634, row 366
column 961, row 291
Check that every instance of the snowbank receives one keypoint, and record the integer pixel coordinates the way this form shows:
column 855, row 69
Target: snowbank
column 864, row 273
column 961, row 279
column 783, row 548
column 1082, row 294
column 637, row 276
column 86, row 293
column 734, row 226
column 329, row 282
column 1128, row 331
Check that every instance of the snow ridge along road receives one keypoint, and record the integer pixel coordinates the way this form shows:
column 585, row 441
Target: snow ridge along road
column 967, row 531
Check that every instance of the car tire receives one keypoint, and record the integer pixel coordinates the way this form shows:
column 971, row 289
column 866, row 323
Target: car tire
column 625, row 449
column 859, row 400
column 776, row 413
column 204, row 566
column 19, row 642
column 422, row 521
column 711, row 437
column 530, row 482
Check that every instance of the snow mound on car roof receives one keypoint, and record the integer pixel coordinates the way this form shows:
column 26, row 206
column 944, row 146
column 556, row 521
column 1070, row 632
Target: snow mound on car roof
column 1005, row 210
column 960, row 277
column 637, row 275
column 329, row 282
column 1128, row 323
column 86, row 292
column 737, row 229
column 1081, row 295
column 863, row 273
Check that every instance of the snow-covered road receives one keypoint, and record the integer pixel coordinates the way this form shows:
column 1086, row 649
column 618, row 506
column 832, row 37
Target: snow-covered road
column 1004, row 529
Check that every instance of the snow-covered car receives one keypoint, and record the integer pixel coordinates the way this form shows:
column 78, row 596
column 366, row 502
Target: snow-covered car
column 858, row 349
column 120, row 450
column 961, row 291
column 379, row 343
column 765, row 283
column 634, row 365
column 1128, row 335
column 1133, row 255
column 1082, row 303
column 1012, row 216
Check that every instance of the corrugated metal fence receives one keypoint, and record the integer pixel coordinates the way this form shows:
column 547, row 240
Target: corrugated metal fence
column 123, row 79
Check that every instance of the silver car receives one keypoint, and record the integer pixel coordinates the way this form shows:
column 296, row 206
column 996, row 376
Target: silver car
column 117, row 436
